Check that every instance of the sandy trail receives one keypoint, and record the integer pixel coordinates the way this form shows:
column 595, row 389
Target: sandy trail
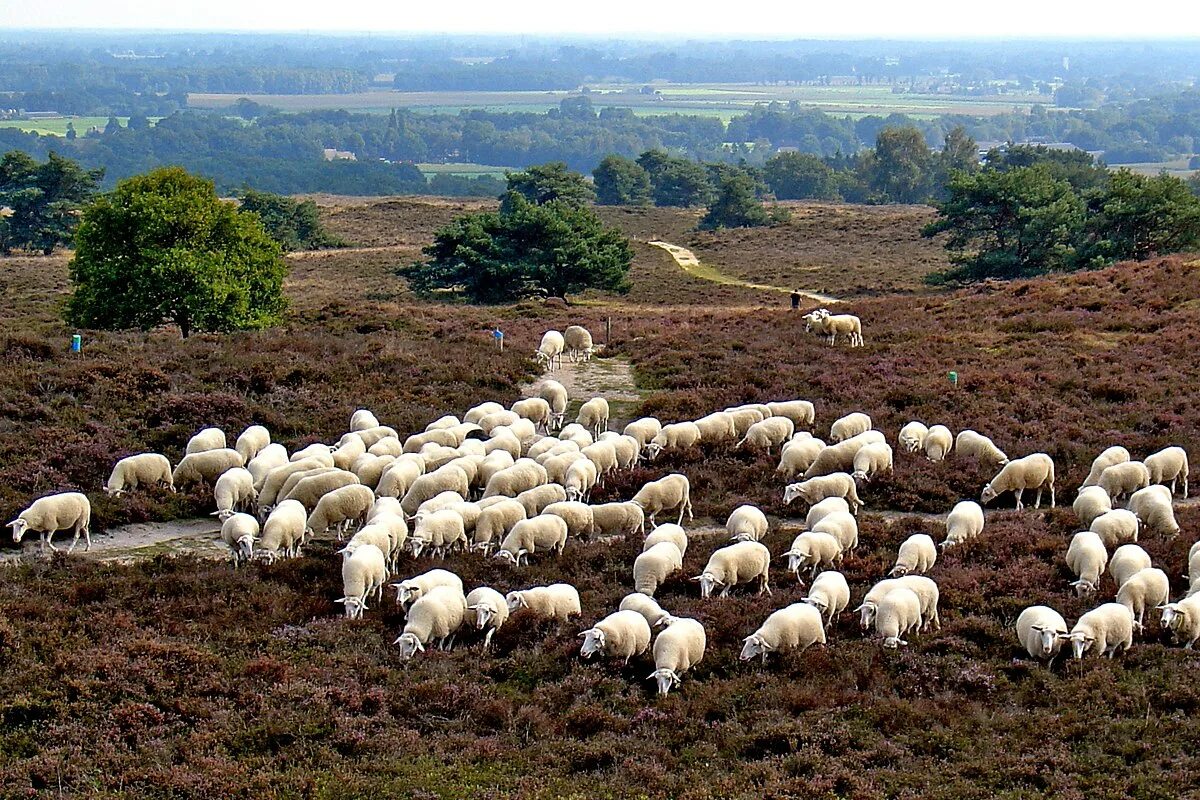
column 610, row 378
column 690, row 264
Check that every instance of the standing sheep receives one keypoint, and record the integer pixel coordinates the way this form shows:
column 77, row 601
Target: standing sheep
column 912, row 436
column 1182, row 619
column 870, row 603
column 823, row 509
column 534, row 500
column 539, row 534
column 717, row 427
column 270, row 457
column 342, row 507
column 623, row 634
column 251, row 442
column 677, row 436
column 578, row 342
column 578, row 517
column 872, row 460
column 840, row 457
column 238, row 533
column 53, row 513
column 495, row 522
column 667, row 532
column 676, row 650
column 555, row 394
column 926, row 590
column 643, row 430
column 653, row 566
column 593, row 416
column 848, row 426
column 970, row 444
column 647, row 606
column 536, row 410
column 1086, row 558
column 1091, row 503
column 1105, row 629
column 1170, row 464
column 800, row 412
column 438, row 531
column 829, row 594
column 938, row 443
column 1111, row 456
column 814, row 490
column 1116, row 527
column 963, row 523
column 666, row 494
column 615, row 519
column 1034, row 471
column 746, row 523
column 917, row 555
column 741, row 562
column 144, row 469
column 794, row 627
column 798, row 455
column 491, row 611
column 842, row 526
column 1153, row 509
column 410, row 590
column 234, row 491
column 899, row 613
column 549, row 352
column 558, row 601
column 206, row 439
column 1146, row 588
column 363, row 573
column 1127, row 561
column 205, row 466
column 768, row 433
column 1039, row 629
column 580, row 478
column 283, row 531
column 1121, row 480
column 437, row 614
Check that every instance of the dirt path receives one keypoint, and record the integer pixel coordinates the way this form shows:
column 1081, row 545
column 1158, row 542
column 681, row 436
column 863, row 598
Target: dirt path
column 690, row 264
column 126, row 543
column 610, row 378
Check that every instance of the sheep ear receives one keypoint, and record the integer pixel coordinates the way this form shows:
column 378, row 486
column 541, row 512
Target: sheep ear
column 1064, row 637
column 583, row 634
column 901, row 641
column 652, row 676
column 340, row 600
column 473, row 607
column 420, row 646
column 695, row 579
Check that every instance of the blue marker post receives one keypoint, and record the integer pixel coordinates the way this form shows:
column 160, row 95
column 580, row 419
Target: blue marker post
column 76, row 343
column 498, row 335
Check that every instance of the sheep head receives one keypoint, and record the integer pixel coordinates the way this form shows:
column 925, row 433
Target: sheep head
column 791, row 493
column 666, row 679
column 819, row 603
column 516, row 601
column 409, row 645
column 893, row 642
column 405, row 593
column 868, row 614
column 510, row 557
column 1083, row 587
column 1048, row 640
column 354, row 606
column 1081, row 642
column 593, row 642
column 246, row 546
column 753, row 646
column 708, row 582
column 19, row 526
column 483, row 614
column 987, row 495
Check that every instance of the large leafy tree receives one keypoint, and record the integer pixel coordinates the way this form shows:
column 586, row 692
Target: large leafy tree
column 676, row 181
column 553, row 181
column 800, row 176
column 1137, row 216
column 163, row 248
column 899, row 169
column 621, row 181
column 736, row 204
column 43, row 200
column 556, row 248
column 295, row 224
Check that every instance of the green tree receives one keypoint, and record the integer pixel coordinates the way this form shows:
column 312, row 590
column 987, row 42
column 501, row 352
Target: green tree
column 556, row 248
column 959, row 154
column 621, row 181
column 1076, row 167
column 44, row 200
column 1136, row 216
column 553, row 181
column 676, row 181
column 736, row 205
column 163, row 248
column 294, row 224
column 800, row 176
column 899, row 169
column 1009, row 224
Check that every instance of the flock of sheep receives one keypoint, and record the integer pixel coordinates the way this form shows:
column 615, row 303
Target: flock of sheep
column 515, row 483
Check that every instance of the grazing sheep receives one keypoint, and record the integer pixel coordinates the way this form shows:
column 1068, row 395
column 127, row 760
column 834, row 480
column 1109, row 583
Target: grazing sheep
column 362, row 419
column 318, row 450
column 970, row 444
column 444, row 421
column 647, row 606
column 963, row 523
column 916, row 557
column 654, row 565
column 1086, row 558
column 814, row 490
column 52, row 513
column 1035, row 471
column 439, row 436
column 912, row 436
column 312, row 489
column 848, row 426
column 821, row 510
column 1111, row 456
column 398, row 477
column 1182, row 619
column 293, row 480
column 899, row 613
column 523, row 475
column 444, row 479
column 549, row 352
column 555, row 394
column 794, row 627
column 205, row 466
column 872, row 460
column 283, row 531
column 556, row 466
column 1169, row 464
column 1146, row 588
column 1124, row 479
column 377, row 535
column 370, row 436
column 1126, row 561
column 667, row 532
column 369, row 468
column 342, row 507
column 270, row 457
column 497, row 419
column 144, row 469
column 436, row 615
column 938, row 443
column 238, row 533
column 1105, row 629
column 576, row 433
column 578, row 517
column 1091, row 503
column 538, row 498
column 409, row 590
column 578, row 342
column 616, row 519
column 1039, row 631
column 491, row 611
column 800, row 412
column 536, row 410
column 666, row 494
column 870, row 602
column 842, row 526
column 206, row 439
column 741, row 562
column 476, row 413
column 833, row 325
column 1153, row 509
column 557, row 601
column 676, row 650
column 363, row 573
column 438, row 531
column 644, row 430
column 495, row 522
column 768, row 433
column 746, row 523
column 234, row 491
column 1116, row 527
column 677, row 436
column 627, row 448
column 537, row 535
column 927, row 591
column 798, row 455
column 603, row 454
column 743, row 418
column 717, row 427
column 580, row 478
column 840, row 457
column 593, row 416
column 622, row 634
column 829, row 594
column 275, row 479
column 251, row 442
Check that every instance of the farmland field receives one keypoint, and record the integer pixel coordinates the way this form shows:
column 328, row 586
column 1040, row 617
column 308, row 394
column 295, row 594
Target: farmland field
column 184, row 678
column 58, row 127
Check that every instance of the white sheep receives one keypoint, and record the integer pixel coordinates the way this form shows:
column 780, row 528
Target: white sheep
column 917, row 556
column 270, row 457
column 1091, row 502
column 143, row 469
column 1039, row 629
column 842, row 526
column 495, row 522
column 815, row 550
column 370, row 436
column 205, row 466
column 794, row 627
column 899, row 613
column 534, row 500
column 1105, row 629
column 580, row 478
column 234, row 491
column 927, row 591
column 273, row 482
column 436, row 615
column 800, row 412
column 549, row 352
column 770, row 432
column 912, row 436
column 938, row 443
column 643, row 430
column 717, row 427
column 593, row 415
column 431, row 484
column 667, row 532
column 369, row 468
column 349, row 448
column 746, row 523
column 1146, row 588
column 840, row 457
column 798, row 455
column 388, row 446
column 872, row 460
column 52, row 513
column 603, row 454
column 529, row 536
column 283, row 531
column 238, row 533
column 409, row 590
column 971, row 444
column 377, row 535
column 251, row 442
column 523, row 475
column 206, row 439
column 741, row 562
column 1112, row 455
column 362, row 419
column 576, row 433
column 1035, row 471
column 1169, row 464
column 622, row 634
column 1182, row 619
column 614, row 519
column 814, row 490
column 1127, row 560
column 556, row 466
column 1116, row 527
column 1153, row 509
column 654, row 565
column 577, row 515
column 821, row 510
column 317, row 450
column 743, row 418
column 491, row 611
column 414, row 443
column 676, row 436
column 497, row 419
column 676, row 650
column 476, row 413
column 558, row 601
column 310, row 487
column 850, row 425
column 343, row 507
column 870, row 602
column 439, row 532
column 824, row 323
column 666, row 494
column 647, row 606
column 536, row 410
column 1124, row 479
column 578, row 342
column 963, row 523
column 1087, row 558
column 445, row 421
column 363, row 573
column 829, row 594
column 627, row 447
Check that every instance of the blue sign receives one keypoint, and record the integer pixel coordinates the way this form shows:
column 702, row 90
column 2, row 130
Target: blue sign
column 499, row 334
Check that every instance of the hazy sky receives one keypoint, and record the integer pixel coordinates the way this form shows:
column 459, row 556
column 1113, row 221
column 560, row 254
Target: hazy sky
column 924, row 19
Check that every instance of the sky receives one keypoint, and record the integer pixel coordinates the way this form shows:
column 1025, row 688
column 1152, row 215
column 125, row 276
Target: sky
column 793, row 19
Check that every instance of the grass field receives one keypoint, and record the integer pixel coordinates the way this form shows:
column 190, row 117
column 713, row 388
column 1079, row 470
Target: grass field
column 465, row 170
column 1179, row 168
column 58, row 127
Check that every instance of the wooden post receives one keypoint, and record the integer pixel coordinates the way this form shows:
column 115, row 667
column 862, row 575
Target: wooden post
column 607, row 331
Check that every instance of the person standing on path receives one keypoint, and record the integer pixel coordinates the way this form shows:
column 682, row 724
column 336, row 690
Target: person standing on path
column 795, row 299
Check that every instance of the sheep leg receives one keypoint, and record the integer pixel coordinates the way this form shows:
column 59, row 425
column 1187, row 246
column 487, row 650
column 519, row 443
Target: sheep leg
column 74, row 542
column 1037, row 500
column 1020, row 505
column 49, row 539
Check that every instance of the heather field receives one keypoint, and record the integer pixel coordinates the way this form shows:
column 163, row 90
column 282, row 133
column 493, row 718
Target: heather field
column 182, row 678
